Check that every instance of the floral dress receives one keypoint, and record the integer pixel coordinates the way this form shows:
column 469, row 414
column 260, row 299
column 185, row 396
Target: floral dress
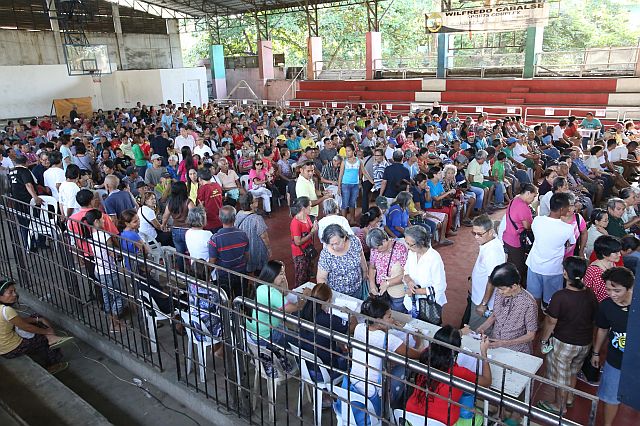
column 344, row 272
column 204, row 305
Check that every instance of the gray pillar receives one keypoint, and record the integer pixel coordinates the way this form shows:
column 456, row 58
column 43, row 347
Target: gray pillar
column 55, row 28
column 173, row 31
column 121, row 53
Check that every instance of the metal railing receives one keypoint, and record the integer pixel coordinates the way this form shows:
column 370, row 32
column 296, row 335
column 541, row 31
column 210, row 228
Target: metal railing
column 293, row 87
column 150, row 288
column 554, row 114
column 580, row 63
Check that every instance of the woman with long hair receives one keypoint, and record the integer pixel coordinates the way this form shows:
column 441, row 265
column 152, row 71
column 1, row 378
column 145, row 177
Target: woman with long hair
column 178, row 206
column 187, row 163
column 192, row 185
column 435, row 405
column 597, row 227
column 302, row 231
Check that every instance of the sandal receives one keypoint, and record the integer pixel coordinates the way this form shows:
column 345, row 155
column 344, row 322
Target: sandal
column 546, row 406
column 60, row 342
column 57, row 368
column 445, row 242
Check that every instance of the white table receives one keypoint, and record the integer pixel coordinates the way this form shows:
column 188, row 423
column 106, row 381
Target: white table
column 589, row 133
column 514, row 383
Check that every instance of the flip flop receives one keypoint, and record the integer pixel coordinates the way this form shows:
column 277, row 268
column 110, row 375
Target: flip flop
column 446, row 242
column 546, row 406
column 61, row 342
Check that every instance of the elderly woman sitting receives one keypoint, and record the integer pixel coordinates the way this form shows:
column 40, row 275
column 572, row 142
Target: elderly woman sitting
column 342, row 264
column 331, row 215
column 386, row 267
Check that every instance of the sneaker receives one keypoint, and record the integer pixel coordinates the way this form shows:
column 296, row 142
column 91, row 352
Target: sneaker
column 499, row 206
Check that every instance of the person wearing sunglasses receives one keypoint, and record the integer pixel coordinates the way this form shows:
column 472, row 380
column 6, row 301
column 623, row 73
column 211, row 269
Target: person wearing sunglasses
column 28, row 335
column 258, row 180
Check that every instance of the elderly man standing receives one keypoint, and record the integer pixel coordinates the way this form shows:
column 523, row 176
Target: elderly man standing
column 229, row 248
column 616, row 208
column 491, row 255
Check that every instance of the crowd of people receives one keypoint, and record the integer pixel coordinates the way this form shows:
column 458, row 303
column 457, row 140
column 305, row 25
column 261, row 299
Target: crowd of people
column 370, row 198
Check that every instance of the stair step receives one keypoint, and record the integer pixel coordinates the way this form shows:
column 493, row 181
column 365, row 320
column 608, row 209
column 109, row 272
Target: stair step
column 520, row 90
column 515, row 101
column 37, row 397
column 354, row 98
column 359, row 88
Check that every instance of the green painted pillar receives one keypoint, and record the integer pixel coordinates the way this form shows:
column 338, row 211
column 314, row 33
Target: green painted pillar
column 218, row 73
column 443, row 51
column 533, row 46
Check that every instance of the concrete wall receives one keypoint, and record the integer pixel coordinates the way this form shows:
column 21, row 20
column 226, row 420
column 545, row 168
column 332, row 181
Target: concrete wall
column 29, row 90
column 142, row 51
column 276, row 88
column 252, row 77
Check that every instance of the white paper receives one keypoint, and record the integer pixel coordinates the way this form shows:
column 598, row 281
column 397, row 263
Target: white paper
column 549, row 111
column 389, row 107
column 362, row 104
column 306, row 103
column 264, row 102
column 351, row 304
column 511, row 110
column 444, row 108
column 334, row 104
column 244, row 102
column 479, row 109
column 601, row 113
column 469, row 363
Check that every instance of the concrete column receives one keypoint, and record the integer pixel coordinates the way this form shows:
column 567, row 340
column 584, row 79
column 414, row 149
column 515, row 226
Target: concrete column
column 265, row 59
column 173, row 31
column 55, row 28
column 443, row 53
column 121, row 53
column 314, row 57
column 373, row 60
column 218, row 74
column 533, row 46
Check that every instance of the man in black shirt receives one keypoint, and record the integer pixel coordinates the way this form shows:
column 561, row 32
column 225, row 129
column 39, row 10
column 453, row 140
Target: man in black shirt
column 393, row 176
column 23, row 189
column 160, row 143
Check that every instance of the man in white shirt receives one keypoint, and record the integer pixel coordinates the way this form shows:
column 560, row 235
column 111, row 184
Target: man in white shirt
column 560, row 184
column 184, row 139
column 5, row 162
column 491, row 255
column 68, row 190
column 201, row 149
column 54, row 175
column 544, row 276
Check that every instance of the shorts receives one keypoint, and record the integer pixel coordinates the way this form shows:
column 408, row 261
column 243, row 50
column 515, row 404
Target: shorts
column 543, row 286
column 485, row 184
column 349, row 195
column 609, row 384
column 564, row 361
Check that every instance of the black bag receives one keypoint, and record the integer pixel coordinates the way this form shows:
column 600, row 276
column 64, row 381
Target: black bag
column 427, row 309
column 526, row 235
column 310, row 251
column 591, row 373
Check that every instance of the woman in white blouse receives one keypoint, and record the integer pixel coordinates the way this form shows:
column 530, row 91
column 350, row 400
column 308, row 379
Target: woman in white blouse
column 424, row 267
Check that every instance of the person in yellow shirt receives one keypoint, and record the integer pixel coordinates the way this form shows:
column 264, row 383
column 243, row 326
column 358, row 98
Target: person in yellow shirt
column 306, row 141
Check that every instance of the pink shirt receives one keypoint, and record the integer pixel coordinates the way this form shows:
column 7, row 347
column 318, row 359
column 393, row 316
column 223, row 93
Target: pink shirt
column 253, row 173
column 518, row 211
column 383, row 264
column 577, row 229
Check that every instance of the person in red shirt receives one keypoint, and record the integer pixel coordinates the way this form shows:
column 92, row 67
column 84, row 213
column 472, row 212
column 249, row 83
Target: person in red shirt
column 302, row 232
column 210, row 197
column 441, row 358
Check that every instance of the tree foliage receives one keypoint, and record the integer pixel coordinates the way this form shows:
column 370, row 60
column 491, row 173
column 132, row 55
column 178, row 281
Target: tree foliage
column 579, row 24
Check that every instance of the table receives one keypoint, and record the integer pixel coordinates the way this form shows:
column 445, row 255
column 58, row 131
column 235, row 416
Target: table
column 589, row 133
column 514, row 383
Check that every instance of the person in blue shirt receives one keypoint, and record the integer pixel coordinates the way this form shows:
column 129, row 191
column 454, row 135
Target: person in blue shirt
column 397, row 218
column 589, row 123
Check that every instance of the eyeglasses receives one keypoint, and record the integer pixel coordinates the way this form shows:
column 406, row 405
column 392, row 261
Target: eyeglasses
column 480, row 234
column 258, row 164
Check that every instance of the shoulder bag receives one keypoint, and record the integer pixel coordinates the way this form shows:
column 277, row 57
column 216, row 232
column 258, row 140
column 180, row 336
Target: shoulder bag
column 426, row 308
column 526, row 235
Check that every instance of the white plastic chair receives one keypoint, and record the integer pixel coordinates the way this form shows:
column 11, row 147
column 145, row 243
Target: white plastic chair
column 46, row 223
column 272, row 382
column 346, row 417
column 319, row 385
column 412, row 419
column 244, row 181
column 206, row 342
column 152, row 314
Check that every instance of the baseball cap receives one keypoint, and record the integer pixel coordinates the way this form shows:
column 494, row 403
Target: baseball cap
column 511, row 141
column 130, row 170
column 618, row 126
column 140, row 184
column 155, row 157
column 281, row 138
column 471, row 135
column 166, row 175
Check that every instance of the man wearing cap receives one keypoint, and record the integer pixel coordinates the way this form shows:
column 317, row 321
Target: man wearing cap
column 470, row 142
column 153, row 175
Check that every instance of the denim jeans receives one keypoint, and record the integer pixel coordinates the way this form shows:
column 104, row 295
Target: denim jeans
column 178, row 235
column 397, row 304
column 113, row 303
column 349, row 195
column 499, row 192
column 479, row 193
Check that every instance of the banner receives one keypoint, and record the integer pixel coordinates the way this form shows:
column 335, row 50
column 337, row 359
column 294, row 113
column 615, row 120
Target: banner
column 65, row 105
column 495, row 18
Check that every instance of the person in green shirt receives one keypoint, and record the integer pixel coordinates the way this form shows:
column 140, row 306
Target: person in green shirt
column 139, row 157
column 267, row 329
column 498, row 172
column 616, row 208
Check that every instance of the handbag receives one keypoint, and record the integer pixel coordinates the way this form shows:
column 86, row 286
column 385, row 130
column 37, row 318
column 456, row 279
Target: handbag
column 426, row 308
column 386, row 294
column 310, row 251
column 526, row 235
column 165, row 238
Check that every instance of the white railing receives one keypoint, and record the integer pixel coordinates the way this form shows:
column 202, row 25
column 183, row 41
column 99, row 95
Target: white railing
column 601, row 61
column 293, row 87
